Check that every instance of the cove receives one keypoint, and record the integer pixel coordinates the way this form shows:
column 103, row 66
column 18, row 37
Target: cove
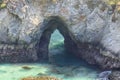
column 62, row 65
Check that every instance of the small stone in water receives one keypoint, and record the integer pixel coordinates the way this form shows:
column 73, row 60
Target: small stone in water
column 27, row 67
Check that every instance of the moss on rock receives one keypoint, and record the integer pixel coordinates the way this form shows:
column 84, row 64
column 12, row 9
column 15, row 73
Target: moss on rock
column 2, row 4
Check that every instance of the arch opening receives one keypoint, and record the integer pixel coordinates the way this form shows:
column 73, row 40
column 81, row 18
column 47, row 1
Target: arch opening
column 50, row 25
column 56, row 41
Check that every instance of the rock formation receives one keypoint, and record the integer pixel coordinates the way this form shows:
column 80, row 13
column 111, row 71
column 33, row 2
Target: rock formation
column 115, row 75
column 91, row 29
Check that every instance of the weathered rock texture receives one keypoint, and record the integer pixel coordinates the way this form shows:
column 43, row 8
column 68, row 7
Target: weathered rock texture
column 115, row 75
column 91, row 29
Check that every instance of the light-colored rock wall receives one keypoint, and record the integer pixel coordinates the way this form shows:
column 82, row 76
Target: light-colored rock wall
column 89, row 21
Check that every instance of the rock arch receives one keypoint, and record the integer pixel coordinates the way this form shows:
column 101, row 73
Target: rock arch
column 50, row 25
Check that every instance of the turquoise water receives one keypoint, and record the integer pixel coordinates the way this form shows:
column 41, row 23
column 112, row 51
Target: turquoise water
column 61, row 65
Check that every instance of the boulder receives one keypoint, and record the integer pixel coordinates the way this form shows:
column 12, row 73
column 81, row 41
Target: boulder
column 104, row 75
column 115, row 75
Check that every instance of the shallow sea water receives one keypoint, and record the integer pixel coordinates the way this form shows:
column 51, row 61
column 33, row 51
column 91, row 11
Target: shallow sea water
column 61, row 65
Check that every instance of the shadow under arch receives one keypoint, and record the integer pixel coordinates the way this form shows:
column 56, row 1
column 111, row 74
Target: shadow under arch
column 49, row 26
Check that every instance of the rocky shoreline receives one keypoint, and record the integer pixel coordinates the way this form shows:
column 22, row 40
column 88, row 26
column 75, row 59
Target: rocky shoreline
column 91, row 30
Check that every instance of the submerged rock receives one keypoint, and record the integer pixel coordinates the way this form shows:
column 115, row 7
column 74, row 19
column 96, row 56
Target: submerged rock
column 27, row 67
column 91, row 30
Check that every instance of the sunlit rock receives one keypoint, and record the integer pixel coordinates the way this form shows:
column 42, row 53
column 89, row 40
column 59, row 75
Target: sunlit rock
column 41, row 78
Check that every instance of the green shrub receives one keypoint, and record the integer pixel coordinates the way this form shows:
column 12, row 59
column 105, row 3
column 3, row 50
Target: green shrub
column 2, row 4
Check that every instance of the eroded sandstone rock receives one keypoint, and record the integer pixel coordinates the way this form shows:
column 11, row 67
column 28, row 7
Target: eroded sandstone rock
column 90, row 27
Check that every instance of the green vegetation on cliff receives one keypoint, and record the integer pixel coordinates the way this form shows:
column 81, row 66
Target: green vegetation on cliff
column 113, row 1
column 115, row 4
column 2, row 4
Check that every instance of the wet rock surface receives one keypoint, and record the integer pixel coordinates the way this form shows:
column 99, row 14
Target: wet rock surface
column 104, row 75
column 115, row 75
column 91, row 30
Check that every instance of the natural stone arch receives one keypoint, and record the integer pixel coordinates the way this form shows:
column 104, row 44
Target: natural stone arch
column 50, row 25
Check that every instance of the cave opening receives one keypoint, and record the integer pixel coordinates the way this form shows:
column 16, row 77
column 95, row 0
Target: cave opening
column 49, row 26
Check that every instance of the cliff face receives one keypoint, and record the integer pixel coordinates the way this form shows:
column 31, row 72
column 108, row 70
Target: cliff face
column 91, row 30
